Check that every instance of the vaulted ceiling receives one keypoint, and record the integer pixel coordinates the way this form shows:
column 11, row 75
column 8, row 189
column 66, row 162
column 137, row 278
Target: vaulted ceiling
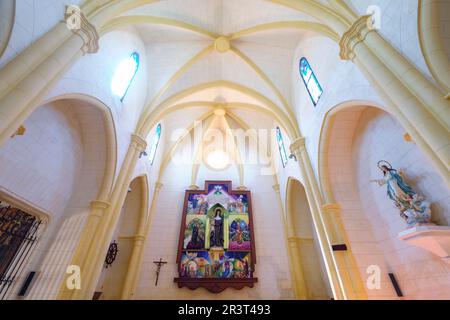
column 233, row 54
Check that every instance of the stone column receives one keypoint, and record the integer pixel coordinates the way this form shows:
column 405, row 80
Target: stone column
column 137, row 254
column 353, row 285
column 315, row 202
column 26, row 80
column 98, row 208
column 418, row 104
column 293, row 251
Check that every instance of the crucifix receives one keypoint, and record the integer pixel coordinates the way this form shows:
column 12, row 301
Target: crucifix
column 159, row 263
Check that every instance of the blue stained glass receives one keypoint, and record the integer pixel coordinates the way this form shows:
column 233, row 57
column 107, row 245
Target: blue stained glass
column 124, row 75
column 155, row 144
column 309, row 78
column 281, row 148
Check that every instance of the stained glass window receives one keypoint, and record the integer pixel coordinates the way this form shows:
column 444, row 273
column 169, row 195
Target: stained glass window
column 281, row 148
column 124, row 75
column 309, row 78
column 155, row 144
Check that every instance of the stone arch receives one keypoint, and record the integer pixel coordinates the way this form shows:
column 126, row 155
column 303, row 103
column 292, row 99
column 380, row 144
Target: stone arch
column 69, row 148
column 7, row 18
column 306, row 260
column 119, row 280
column 355, row 135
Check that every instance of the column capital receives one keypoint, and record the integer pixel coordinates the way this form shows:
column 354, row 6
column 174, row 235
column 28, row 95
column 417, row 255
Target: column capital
column 332, row 208
column 138, row 142
column 276, row 188
column 292, row 240
column 139, row 239
column 78, row 23
column 158, row 186
column 242, row 188
column 194, row 187
column 355, row 34
column 100, row 204
column 297, row 145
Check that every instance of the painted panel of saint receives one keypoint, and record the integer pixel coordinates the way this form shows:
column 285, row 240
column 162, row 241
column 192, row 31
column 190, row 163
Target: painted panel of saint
column 195, row 265
column 217, row 219
column 197, row 204
column 224, row 265
column 194, row 234
column 238, row 205
column 239, row 233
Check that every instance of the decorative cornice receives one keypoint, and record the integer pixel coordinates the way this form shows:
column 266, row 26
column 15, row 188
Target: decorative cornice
column 332, row 208
column 85, row 30
column 138, row 142
column 99, row 204
column 297, row 145
column 356, row 34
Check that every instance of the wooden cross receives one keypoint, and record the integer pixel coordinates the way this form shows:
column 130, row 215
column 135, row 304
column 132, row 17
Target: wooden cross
column 159, row 263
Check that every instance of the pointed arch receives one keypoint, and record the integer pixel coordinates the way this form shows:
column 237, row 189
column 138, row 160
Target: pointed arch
column 146, row 119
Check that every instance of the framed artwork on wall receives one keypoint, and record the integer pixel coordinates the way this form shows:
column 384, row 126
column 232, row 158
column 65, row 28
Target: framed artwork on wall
column 216, row 247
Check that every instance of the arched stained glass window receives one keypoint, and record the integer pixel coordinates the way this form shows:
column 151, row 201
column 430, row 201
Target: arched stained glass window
column 309, row 78
column 124, row 75
column 155, row 144
column 281, row 148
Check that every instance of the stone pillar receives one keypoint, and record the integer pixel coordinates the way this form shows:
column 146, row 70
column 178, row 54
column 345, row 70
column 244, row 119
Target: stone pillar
column 26, row 80
column 315, row 202
column 353, row 285
column 293, row 251
column 137, row 254
column 418, row 104
column 98, row 208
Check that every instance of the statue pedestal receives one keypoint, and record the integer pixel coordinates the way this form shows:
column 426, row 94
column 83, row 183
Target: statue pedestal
column 435, row 239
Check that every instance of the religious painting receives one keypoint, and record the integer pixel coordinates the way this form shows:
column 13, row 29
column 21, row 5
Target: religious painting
column 216, row 249
column 195, row 265
column 239, row 205
column 197, row 204
column 239, row 233
column 225, row 265
column 194, row 234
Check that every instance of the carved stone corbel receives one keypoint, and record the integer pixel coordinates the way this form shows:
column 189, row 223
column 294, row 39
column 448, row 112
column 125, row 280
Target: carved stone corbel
column 356, row 34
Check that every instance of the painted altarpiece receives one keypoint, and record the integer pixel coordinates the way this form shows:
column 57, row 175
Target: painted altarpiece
column 216, row 246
